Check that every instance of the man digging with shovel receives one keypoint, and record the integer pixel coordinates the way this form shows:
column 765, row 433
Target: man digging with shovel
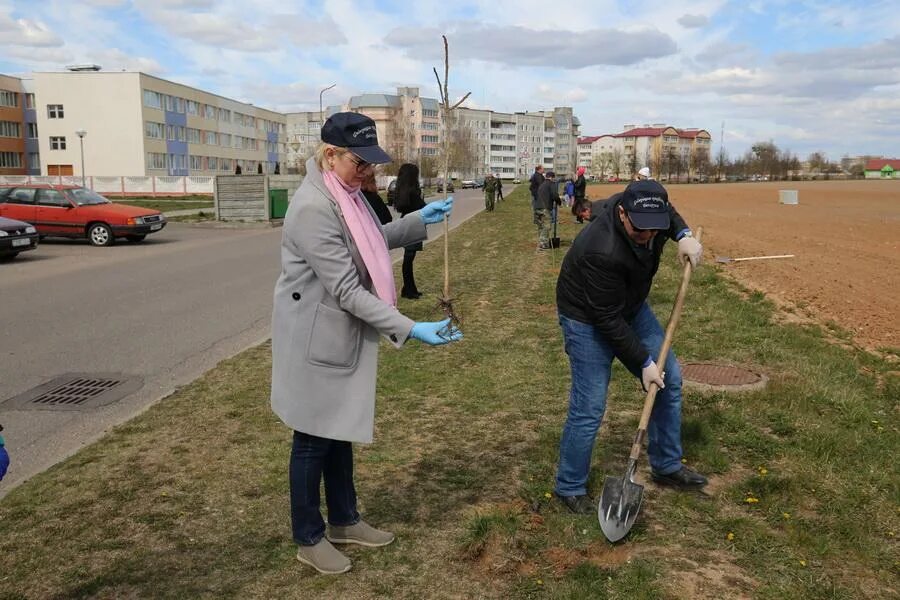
column 601, row 296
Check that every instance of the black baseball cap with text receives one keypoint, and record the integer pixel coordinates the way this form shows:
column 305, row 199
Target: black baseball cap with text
column 647, row 204
column 356, row 133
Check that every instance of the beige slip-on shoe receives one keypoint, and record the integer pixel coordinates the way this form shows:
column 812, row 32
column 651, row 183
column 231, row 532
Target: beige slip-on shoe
column 359, row 533
column 324, row 558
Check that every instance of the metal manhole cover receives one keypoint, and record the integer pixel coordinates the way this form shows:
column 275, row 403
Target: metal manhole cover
column 76, row 391
column 722, row 377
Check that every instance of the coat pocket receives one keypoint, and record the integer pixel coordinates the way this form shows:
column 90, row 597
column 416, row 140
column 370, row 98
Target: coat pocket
column 334, row 339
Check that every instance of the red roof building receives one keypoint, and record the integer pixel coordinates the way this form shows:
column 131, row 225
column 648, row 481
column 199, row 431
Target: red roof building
column 883, row 168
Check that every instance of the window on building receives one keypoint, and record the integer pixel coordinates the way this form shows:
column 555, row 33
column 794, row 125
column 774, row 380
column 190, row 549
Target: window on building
column 209, row 111
column 212, row 164
column 225, row 140
column 54, row 111
column 8, row 98
column 195, row 163
column 212, row 138
column 192, row 107
column 29, row 101
column 154, row 130
column 10, row 160
column 34, row 161
column 10, row 129
column 58, row 142
column 225, row 164
column 225, row 115
column 32, row 130
column 156, row 160
column 193, row 135
column 153, row 99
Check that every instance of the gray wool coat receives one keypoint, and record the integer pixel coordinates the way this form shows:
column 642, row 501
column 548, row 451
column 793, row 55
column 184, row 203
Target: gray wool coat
column 327, row 319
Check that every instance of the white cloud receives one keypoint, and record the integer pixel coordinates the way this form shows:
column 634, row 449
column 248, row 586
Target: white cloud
column 522, row 46
column 693, row 21
column 26, row 32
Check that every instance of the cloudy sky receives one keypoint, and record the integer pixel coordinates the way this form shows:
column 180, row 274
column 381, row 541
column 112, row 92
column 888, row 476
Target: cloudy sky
column 807, row 74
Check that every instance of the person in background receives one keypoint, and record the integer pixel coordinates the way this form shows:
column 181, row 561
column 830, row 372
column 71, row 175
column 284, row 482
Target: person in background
column 545, row 208
column 490, row 188
column 4, row 456
column 537, row 178
column 408, row 199
column 499, row 188
column 601, row 297
column 580, row 196
column 569, row 192
column 642, row 174
column 334, row 300
column 369, row 190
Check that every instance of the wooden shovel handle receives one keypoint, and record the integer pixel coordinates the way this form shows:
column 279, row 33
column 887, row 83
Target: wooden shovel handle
column 663, row 353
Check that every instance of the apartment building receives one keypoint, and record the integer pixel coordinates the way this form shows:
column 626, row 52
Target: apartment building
column 19, row 154
column 134, row 124
column 668, row 151
column 512, row 144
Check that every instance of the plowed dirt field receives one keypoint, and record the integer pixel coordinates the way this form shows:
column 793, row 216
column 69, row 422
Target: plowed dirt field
column 845, row 235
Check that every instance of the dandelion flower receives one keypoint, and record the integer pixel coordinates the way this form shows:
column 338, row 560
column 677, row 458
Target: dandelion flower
column 684, row 461
column 785, row 516
column 540, row 582
column 802, row 563
column 730, row 536
column 751, row 500
column 763, row 471
column 547, row 495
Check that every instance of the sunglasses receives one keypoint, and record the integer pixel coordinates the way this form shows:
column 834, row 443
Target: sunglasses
column 361, row 165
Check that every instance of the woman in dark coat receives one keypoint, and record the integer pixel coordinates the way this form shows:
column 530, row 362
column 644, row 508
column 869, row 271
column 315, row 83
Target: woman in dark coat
column 409, row 199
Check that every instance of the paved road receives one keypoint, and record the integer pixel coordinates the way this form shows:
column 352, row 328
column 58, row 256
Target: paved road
column 166, row 310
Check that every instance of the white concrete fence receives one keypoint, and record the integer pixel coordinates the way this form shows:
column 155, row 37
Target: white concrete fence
column 123, row 186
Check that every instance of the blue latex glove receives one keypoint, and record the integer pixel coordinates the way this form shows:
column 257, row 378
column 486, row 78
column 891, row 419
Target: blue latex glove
column 4, row 457
column 431, row 333
column 434, row 212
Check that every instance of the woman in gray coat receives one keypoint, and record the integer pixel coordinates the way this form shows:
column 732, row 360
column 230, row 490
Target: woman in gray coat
column 334, row 299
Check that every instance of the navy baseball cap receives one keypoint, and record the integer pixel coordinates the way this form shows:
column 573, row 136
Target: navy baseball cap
column 647, row 204
column 356, row 133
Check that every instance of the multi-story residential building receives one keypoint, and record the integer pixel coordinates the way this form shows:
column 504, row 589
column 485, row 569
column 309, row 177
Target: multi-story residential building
column 512, row 144
column 136, row 124
column 668, row 151
column 19, row 154
column 304, row 132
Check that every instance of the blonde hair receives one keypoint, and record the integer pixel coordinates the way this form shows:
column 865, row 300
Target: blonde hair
column 320, row 155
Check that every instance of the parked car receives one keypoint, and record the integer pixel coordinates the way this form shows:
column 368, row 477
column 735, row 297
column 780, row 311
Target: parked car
column 517, row 181
column 77, row 212
column 468, row 184
column 612, row 179
column 440, row 187
column 16, row 236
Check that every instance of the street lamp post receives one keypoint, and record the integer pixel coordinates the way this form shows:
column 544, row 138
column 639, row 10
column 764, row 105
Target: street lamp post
column 81, row 133
column 321, row 115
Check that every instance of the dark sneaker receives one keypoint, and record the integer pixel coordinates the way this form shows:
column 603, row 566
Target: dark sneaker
column 685, row 479
column 324, row 558
column 359, row 533
column 580, row 505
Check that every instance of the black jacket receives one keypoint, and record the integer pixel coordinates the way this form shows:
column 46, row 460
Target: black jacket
column 535, row 182
column 547, row 195
column 605, row 278
column 580, row 185
column 378, row 205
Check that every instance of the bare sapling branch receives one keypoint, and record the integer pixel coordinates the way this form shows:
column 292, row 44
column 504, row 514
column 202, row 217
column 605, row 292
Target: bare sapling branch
column 445, row 302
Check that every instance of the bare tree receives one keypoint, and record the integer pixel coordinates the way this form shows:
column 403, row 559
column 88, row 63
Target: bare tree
column 461, row 147
column 616, row 155
column 446, row 301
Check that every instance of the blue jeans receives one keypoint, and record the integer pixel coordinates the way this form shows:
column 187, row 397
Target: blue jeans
column 590, row 359
column 312, row 458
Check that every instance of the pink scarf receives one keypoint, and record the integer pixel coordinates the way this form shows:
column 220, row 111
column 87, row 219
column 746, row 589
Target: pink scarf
column 366, row 235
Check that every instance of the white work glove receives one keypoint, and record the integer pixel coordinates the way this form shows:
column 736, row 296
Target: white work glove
column 651, row 374
column 689, row 249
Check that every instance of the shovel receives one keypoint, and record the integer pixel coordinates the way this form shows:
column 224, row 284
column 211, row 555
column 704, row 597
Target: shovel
column 554, row 241
column 726, row 259
column 620, row 500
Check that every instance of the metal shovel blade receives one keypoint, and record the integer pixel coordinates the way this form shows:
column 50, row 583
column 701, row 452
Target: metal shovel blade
column 620, row 503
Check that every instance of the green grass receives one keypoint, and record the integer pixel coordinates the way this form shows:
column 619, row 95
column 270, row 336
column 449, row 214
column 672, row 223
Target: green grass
column 190, row 498
column 168, row 205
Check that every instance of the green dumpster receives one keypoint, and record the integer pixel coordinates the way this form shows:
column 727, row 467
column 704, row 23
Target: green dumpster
column 278, row 203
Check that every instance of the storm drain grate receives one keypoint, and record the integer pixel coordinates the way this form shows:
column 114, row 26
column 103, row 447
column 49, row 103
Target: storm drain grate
column 722, row 377
column 75, row 391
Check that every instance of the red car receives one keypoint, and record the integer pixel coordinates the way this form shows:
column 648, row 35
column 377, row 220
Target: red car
column 76, row 212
